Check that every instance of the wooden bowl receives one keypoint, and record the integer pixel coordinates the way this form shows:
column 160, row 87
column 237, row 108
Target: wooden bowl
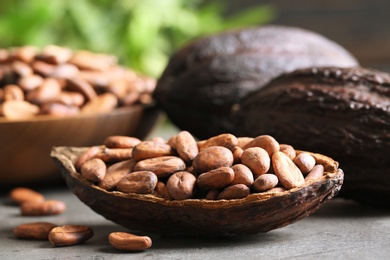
column 25, row 145
column 256, row 213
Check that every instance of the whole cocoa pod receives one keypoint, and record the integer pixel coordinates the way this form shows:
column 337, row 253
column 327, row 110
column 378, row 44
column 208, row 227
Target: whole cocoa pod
column 206, row 78
column 344, row 113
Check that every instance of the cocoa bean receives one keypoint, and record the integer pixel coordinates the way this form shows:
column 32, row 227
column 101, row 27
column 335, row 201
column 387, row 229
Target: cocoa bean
column 42, row 208
column 257, row 159
column 265, row 182
column 140, row 182
column 186, row 147
column 236, row 191
column 21, row 195
column 180, row 185
column 34, row 231
column 163, row 166
column 129, row 242
column 94, row 170
column 150, row 149
column 216, row 179
column 305, row 162
column 69, row 235
column 242, row 175
column 212, row 158
column 117, row 141
column 287, row 172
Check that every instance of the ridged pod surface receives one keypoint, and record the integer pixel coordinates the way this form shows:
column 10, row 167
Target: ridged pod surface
column 343, row 113
column 205, row 79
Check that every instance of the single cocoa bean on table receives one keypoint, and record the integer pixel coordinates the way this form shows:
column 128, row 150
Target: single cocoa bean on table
column 69, row 235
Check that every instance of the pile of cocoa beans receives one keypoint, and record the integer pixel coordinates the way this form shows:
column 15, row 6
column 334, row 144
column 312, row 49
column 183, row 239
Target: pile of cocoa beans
column 221, row 167
column 58, row 81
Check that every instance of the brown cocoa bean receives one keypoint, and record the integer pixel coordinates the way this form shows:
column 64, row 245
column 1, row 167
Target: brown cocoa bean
column 92, row 61
column 180, row 185
column 315, row 173
column 117, row 141
column 265, row 182
column 103, row 103
column 19, row 109
column 257, row 160
column 212, row 194
column 212, row 158
column 115, row 173
column 42, row 208
column 140, row 182
column 226, row 140
column 21, row 195
column 21, row 69
column 23, row 53
column 305, row 162
column 58, row 109
column 162, row 191
column 42, row 68
column 287, row 172
column 215, row 179
column 288, row 150
column 46, row 92
column 237, row 152
column 69, row 235
column 266, row 142
column 115, row 154
column 277, row 190
column 129, row 242
column 150, row 149
column 34, row 231
column 186, row 146
column 30, row 82
column 55, row 54
column 163, row 166
column 70, row 98
column 237, row 191
column 94, row 170
column 13, row 92
column 83, row 87
column 242, row 175
column 243, row 141
column 86, row 156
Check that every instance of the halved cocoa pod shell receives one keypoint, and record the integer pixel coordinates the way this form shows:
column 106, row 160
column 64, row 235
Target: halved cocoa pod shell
column 205, row 79
column 341, row 112
column 258, row 212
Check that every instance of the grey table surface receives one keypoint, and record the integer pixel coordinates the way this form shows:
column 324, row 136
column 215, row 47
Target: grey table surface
column 341, row 229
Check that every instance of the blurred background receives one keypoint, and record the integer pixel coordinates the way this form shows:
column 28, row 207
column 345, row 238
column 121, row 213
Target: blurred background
column 144, row 33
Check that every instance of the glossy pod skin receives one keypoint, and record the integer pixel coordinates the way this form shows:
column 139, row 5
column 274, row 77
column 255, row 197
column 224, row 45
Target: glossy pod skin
column 258, row 212
column 205, row 79
column 343, row 113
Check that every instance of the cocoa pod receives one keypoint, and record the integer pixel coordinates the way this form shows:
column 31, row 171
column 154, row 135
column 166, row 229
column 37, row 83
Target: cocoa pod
column 209, row 76
column 341, row 112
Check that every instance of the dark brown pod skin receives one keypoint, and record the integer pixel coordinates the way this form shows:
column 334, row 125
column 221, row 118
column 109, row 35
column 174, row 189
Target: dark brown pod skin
column 205, row 79
column 256, row 213
column 343, row 113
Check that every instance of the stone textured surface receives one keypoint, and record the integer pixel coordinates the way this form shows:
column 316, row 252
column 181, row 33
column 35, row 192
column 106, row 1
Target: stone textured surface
column 340, row 230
